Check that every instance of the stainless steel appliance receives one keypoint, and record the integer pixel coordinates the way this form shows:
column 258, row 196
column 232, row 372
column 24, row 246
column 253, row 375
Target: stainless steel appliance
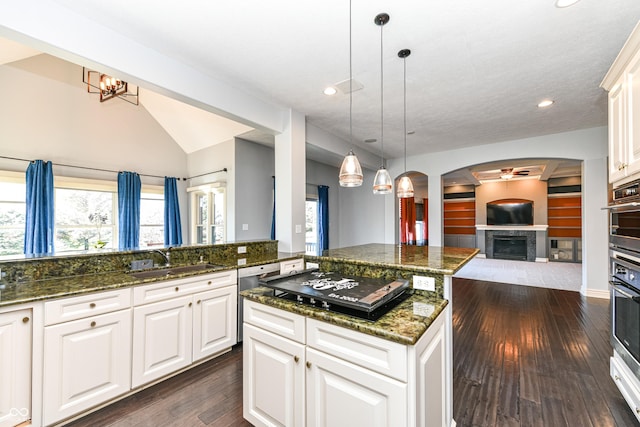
column 625, row 304
column 624, row 273
column 247, row 279
column 363, row 297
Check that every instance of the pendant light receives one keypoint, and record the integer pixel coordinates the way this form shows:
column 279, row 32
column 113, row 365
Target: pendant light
column 382, row 183
column 350, row 171
column 405, row 186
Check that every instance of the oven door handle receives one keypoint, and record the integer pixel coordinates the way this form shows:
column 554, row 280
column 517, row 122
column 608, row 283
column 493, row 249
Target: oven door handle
column 625, row 291
column 621, row 205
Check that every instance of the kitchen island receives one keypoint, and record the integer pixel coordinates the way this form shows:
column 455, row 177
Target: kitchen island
column 305, row 365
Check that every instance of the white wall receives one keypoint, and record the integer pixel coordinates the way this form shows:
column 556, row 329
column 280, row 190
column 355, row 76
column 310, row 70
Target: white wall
column 46, row 113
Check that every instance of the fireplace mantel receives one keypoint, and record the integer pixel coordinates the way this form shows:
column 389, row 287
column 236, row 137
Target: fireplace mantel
column 512, row 227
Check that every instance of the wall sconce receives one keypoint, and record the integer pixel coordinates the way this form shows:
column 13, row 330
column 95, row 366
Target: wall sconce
column 108, row 87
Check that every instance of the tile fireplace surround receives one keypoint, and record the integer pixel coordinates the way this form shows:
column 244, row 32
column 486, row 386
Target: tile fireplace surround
column 536, row 239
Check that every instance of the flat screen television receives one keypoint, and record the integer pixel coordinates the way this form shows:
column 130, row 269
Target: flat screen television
column 510, row 213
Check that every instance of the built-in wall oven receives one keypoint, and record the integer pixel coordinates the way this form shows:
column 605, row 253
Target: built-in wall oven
column 624, row 280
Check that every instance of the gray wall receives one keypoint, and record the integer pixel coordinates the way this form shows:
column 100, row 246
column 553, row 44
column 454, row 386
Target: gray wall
column 254, row 169
column 321, row 174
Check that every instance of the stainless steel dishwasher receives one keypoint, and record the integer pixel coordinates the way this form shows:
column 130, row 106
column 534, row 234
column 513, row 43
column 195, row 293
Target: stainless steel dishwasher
column 248, row 279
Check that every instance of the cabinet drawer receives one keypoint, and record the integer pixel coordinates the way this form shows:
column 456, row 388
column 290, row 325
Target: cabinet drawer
column 625, row 382
column 294, row 265
column 63, row 310
column 377, row 354
column 167, row 289
column 280, row 322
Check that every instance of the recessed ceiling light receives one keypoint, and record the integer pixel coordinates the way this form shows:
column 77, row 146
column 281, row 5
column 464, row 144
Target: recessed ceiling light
column 330, row 91
column 545, row 103
column 566, row 3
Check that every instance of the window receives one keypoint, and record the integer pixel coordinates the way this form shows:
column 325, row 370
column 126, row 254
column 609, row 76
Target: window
column 311, row 220
column 208, row 213
column 151, row 219
column 12, row 216
column 85, row 219
column 86, row 214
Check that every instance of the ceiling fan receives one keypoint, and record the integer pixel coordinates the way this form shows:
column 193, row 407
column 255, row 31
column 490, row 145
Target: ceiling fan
column 508, row 173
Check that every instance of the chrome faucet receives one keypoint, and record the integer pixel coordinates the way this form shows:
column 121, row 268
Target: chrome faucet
column 166, row 256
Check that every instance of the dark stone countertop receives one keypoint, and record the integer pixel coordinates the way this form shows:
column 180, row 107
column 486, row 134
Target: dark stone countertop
column 404, row 324
column 58, row 287
column 432, row 259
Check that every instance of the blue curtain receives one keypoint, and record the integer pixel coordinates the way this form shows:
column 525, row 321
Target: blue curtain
column 38, row 236
column 323, row 218
column 172, row 225
column 128, row 210
column 273, row 213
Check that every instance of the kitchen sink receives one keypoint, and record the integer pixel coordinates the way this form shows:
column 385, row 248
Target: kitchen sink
column 172, row 271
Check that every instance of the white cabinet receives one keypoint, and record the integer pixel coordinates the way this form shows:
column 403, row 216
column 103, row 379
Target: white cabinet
column 15, row 367
column 623, row 83
column 626, row 382
column 175, row 325
column 87, row 361
column 161, row 339
column 302, row 372
column 214, row 321
column 292, row 266
column 273, row 379
column 340, row 393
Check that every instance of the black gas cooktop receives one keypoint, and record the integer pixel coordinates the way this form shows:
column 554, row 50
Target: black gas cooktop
column 362, row 297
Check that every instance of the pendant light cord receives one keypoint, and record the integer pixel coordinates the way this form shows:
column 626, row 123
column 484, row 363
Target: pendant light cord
column 381, row 100
column 404, row 62
column 350, row 83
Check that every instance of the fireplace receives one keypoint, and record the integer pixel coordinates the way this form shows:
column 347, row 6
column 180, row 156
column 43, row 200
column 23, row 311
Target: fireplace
column 525, row 243
column 510, row 247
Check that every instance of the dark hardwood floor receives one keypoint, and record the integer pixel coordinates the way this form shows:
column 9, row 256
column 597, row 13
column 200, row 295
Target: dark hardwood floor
column 523, row 356
column 526, row 356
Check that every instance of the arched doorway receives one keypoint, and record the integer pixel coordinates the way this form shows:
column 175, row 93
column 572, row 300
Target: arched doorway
column 412, row 213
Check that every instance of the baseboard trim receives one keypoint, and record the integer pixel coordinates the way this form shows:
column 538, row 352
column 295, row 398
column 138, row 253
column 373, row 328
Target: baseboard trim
column 481, row 256
column 542, row 259
column 596, row 293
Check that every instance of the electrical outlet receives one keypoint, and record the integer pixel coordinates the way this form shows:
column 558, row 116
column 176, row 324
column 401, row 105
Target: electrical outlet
column 298, row 228
column 242, row 261
column 424, row 283
column 242, row 249
column 245, row 227
column 422, row 309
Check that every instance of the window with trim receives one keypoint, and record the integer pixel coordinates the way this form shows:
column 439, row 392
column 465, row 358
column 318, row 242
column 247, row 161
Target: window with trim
column 86, row 214
column 208, row 213
column 12, row 215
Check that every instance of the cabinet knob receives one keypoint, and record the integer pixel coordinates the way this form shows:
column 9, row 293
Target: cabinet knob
column 190, row 304
column 209, row 282
column 92, row 305
column 177, row 289
column 93, row 324
column 198, row 302
column 296, row 359
column 25, row 320
column 308, row 364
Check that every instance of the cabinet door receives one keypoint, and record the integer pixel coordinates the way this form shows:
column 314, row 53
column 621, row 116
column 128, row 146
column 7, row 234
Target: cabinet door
column 342, row 394
column 617, row 132
column 632, row 103
column 431, row 387
column 15, row 367
column 273, row 379
column 214, row 321
column 161, row 339
column 87, row 362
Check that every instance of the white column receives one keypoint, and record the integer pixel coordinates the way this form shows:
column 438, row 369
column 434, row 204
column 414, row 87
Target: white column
column 436, row 229
column 290, row 184
column 595, row 234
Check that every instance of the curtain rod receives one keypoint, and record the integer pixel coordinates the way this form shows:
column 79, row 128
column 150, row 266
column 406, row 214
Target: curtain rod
column 108, row 170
